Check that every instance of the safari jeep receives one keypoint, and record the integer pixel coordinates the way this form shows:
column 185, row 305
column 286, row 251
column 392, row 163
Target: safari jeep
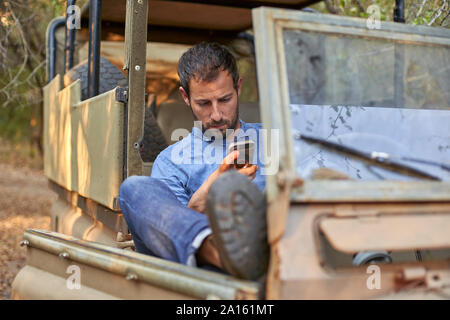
column 358, row 150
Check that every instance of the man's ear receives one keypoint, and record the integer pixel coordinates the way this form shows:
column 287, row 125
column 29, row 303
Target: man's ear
column 185, row 96
column 239, row 84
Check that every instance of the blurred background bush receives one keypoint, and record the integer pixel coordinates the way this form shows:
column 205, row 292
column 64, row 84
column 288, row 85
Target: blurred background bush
column 23, row 25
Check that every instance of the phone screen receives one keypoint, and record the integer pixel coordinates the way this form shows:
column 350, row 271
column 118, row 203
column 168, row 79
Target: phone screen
column 246, row 149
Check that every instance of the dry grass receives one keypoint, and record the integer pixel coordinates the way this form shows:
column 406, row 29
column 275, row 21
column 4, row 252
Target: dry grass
column 21, row 155
column 25, row 202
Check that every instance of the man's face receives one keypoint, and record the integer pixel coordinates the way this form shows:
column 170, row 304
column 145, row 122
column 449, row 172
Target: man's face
column 215, row 103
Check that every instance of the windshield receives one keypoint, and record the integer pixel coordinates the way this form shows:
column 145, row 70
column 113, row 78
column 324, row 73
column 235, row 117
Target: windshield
column 325, row 69
column 370, row 94
column 423, row 134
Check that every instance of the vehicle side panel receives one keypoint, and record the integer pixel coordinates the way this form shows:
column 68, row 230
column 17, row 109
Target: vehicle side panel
column 84, row 142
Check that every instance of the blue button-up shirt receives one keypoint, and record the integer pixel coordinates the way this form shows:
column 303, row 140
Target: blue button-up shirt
column 185, row 165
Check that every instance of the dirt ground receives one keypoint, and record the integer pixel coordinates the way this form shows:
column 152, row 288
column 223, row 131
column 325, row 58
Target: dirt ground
column 25, row 202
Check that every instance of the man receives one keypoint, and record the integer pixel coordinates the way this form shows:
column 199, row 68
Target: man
column 165, row 212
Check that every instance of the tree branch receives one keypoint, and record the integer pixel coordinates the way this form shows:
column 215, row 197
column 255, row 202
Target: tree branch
column 359, row 5
column 421, row 8
column 332, row 7
column 438, row 14
column 445, row 18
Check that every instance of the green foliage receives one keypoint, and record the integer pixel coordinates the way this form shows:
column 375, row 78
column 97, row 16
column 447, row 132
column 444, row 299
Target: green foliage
column 23, row 25
column 21, row 101
column 58, row 6
column 434, row 12
column 14, row 123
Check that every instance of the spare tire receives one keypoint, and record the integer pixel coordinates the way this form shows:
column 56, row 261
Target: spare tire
column 110, row 77
column 153, row 141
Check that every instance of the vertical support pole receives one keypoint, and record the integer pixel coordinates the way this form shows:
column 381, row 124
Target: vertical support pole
column 399, row 75
column 399, row 67
column 69, row 45
column 51, row 48
column 399, row 11
column 95, row 11
column 135, row 62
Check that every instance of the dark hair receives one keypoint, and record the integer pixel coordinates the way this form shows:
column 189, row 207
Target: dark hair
column 204, row 61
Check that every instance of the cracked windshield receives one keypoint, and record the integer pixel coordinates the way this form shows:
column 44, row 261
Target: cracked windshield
column 386, row 100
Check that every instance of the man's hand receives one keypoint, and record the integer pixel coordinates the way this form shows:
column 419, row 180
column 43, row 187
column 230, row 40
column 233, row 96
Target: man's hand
column 198, row 199
column 229, row 163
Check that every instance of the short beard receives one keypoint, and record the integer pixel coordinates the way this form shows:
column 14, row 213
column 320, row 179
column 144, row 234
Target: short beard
column 232, row 126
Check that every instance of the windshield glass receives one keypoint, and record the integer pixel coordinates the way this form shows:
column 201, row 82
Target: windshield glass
column 423, row 134
column 325, row 69
column 370, row 94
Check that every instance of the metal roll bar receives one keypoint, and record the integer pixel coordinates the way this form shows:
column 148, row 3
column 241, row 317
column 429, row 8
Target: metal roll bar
column 95, row 11
column 69, row 43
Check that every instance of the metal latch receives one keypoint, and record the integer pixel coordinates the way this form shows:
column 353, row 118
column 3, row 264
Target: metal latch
column 433, row 279
column 122, row 94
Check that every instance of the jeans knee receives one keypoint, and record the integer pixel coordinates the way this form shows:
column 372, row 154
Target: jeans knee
column 129, row 188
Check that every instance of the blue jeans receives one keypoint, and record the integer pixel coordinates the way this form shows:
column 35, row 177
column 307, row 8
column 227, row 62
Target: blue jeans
column 160, row 225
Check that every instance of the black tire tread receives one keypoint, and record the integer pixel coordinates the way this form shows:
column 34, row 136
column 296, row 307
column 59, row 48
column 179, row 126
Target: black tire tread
column 153, row 141
column 110, row 77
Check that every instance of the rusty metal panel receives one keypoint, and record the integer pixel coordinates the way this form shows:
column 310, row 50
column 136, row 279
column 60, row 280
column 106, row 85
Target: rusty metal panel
column 270, row 95
column 364, row 209
column 99, row 215
column 71, row 220
column 33, row 283
column 370, row 191
column 171, row 279
column 394, row 233
column 288, row 41
column 45, row 277
column 299, row 269
column 135, row 61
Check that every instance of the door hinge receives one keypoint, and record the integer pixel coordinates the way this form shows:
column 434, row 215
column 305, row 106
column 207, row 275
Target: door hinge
column 122, row 95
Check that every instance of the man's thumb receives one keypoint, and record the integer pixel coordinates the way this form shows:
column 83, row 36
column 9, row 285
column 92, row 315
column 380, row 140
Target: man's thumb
column 228, row 161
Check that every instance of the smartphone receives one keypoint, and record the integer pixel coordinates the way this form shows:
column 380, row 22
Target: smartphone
column 246, row 149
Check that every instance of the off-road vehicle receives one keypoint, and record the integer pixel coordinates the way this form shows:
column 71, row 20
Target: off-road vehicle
column 357, row 120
